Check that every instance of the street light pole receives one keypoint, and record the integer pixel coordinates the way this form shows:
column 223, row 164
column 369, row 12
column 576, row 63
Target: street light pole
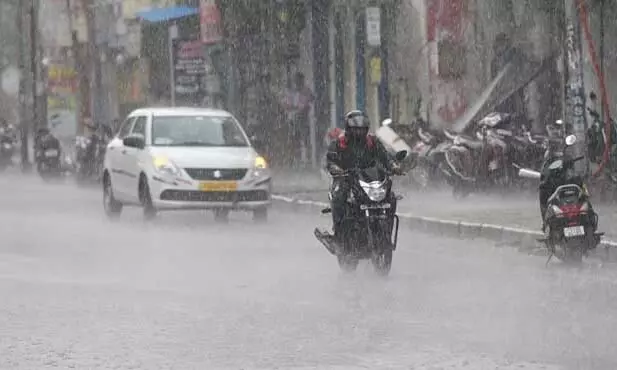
column 34, row 57
column 23, row 121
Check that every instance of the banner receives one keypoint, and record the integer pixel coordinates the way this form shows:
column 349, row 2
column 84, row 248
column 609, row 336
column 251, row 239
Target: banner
column 62, row 101
column 210, row 22
column 189, row 70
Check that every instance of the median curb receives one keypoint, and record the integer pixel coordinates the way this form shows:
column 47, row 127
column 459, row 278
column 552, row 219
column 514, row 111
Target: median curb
column 523, row 239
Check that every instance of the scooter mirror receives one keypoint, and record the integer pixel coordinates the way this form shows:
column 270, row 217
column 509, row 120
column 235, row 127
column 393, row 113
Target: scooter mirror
column 386, row 122
column 570, row 140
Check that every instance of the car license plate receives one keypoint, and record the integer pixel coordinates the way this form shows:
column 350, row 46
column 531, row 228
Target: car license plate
column 218, row 186
column 570, row 232
column 375, row 206
column 51, row 153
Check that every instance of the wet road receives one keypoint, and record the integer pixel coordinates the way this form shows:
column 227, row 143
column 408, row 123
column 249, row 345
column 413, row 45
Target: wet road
column 186, row 293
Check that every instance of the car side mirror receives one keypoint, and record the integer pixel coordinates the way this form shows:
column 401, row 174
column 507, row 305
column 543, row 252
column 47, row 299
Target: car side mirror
column 134, row 141
column 399, row 156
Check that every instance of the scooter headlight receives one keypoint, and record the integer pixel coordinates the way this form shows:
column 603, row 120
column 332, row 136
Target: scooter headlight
column 374, row 190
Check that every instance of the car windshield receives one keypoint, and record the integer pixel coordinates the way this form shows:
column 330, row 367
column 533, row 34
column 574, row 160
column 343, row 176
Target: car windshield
column 207, row 131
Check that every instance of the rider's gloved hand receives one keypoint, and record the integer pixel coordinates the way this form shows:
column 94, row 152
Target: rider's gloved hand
column 335, row 170
column 396, row 168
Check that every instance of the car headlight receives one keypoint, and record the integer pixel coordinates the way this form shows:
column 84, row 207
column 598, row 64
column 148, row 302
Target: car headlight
column 165, row 166
column 260, row 163
column 374, row 190
column 260, row 167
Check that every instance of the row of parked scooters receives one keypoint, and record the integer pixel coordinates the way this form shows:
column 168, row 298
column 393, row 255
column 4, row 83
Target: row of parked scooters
column 490, row 151
column 487, row 155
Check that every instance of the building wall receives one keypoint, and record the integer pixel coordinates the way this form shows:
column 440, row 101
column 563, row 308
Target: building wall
column 610, row 54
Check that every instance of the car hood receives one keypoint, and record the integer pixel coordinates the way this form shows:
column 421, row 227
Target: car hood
column 208, row 157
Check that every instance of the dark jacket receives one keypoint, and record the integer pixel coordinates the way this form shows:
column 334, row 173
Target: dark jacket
column 353, row 154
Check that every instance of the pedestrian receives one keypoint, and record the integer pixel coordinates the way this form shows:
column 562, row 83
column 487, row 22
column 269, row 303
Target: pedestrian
column 298, row 101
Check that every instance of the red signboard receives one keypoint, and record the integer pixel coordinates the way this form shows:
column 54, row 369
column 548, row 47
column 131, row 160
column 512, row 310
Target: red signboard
column 446, row 23
column 210, row 22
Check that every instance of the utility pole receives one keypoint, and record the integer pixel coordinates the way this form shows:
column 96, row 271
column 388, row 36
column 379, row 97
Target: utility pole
column 574, row 92
column 23, row 120
column 83, row 65
column 34, row 59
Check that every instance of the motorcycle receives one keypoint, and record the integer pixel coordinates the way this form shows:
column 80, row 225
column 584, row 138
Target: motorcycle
column 431, row 151
column 90, row 153
column 370, row 223
column 7, row 149
column 570, row 226
column 479, row 160
column 424, row 145
column 49, row 163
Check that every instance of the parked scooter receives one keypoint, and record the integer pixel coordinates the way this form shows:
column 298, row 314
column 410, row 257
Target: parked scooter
column 570, row 223
column 7, row 149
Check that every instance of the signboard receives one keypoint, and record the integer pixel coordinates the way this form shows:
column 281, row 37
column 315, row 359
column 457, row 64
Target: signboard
column 189, row 69
column 375, row 70
column 210, row 22
column 373, row 26
column 62, row 101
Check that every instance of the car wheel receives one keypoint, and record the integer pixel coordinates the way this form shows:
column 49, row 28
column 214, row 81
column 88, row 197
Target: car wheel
column 146, row 200
column 112, row 207
column 260, row 215
column 221, row 215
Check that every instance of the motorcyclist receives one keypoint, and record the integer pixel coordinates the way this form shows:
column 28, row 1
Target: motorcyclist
column 354, row 148
column 45, row 140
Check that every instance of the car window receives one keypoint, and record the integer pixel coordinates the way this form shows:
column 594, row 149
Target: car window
column 139, row 128
column 197, row 131
column 125, row 128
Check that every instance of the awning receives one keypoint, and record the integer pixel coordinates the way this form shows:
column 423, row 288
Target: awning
column 166, row 14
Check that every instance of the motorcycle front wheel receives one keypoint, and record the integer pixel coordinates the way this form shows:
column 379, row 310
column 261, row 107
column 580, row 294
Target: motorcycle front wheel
column 382, row 262
column 347, row 263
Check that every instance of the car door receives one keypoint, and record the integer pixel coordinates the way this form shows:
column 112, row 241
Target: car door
column 114, row 159
column 130, row 160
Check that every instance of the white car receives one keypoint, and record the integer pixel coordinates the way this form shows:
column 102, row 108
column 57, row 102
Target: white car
column 184, row 158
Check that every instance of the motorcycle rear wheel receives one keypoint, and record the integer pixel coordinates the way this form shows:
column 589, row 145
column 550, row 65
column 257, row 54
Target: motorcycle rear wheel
column 573, row 254
column 347, row 263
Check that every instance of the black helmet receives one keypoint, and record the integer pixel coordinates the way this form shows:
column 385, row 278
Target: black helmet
column 357, row 124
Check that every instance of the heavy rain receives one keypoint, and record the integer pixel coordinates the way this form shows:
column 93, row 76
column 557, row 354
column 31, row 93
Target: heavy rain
column 307, row 184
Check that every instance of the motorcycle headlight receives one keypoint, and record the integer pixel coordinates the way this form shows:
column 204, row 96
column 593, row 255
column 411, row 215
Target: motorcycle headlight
column 165, row 166
column 374, row 190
